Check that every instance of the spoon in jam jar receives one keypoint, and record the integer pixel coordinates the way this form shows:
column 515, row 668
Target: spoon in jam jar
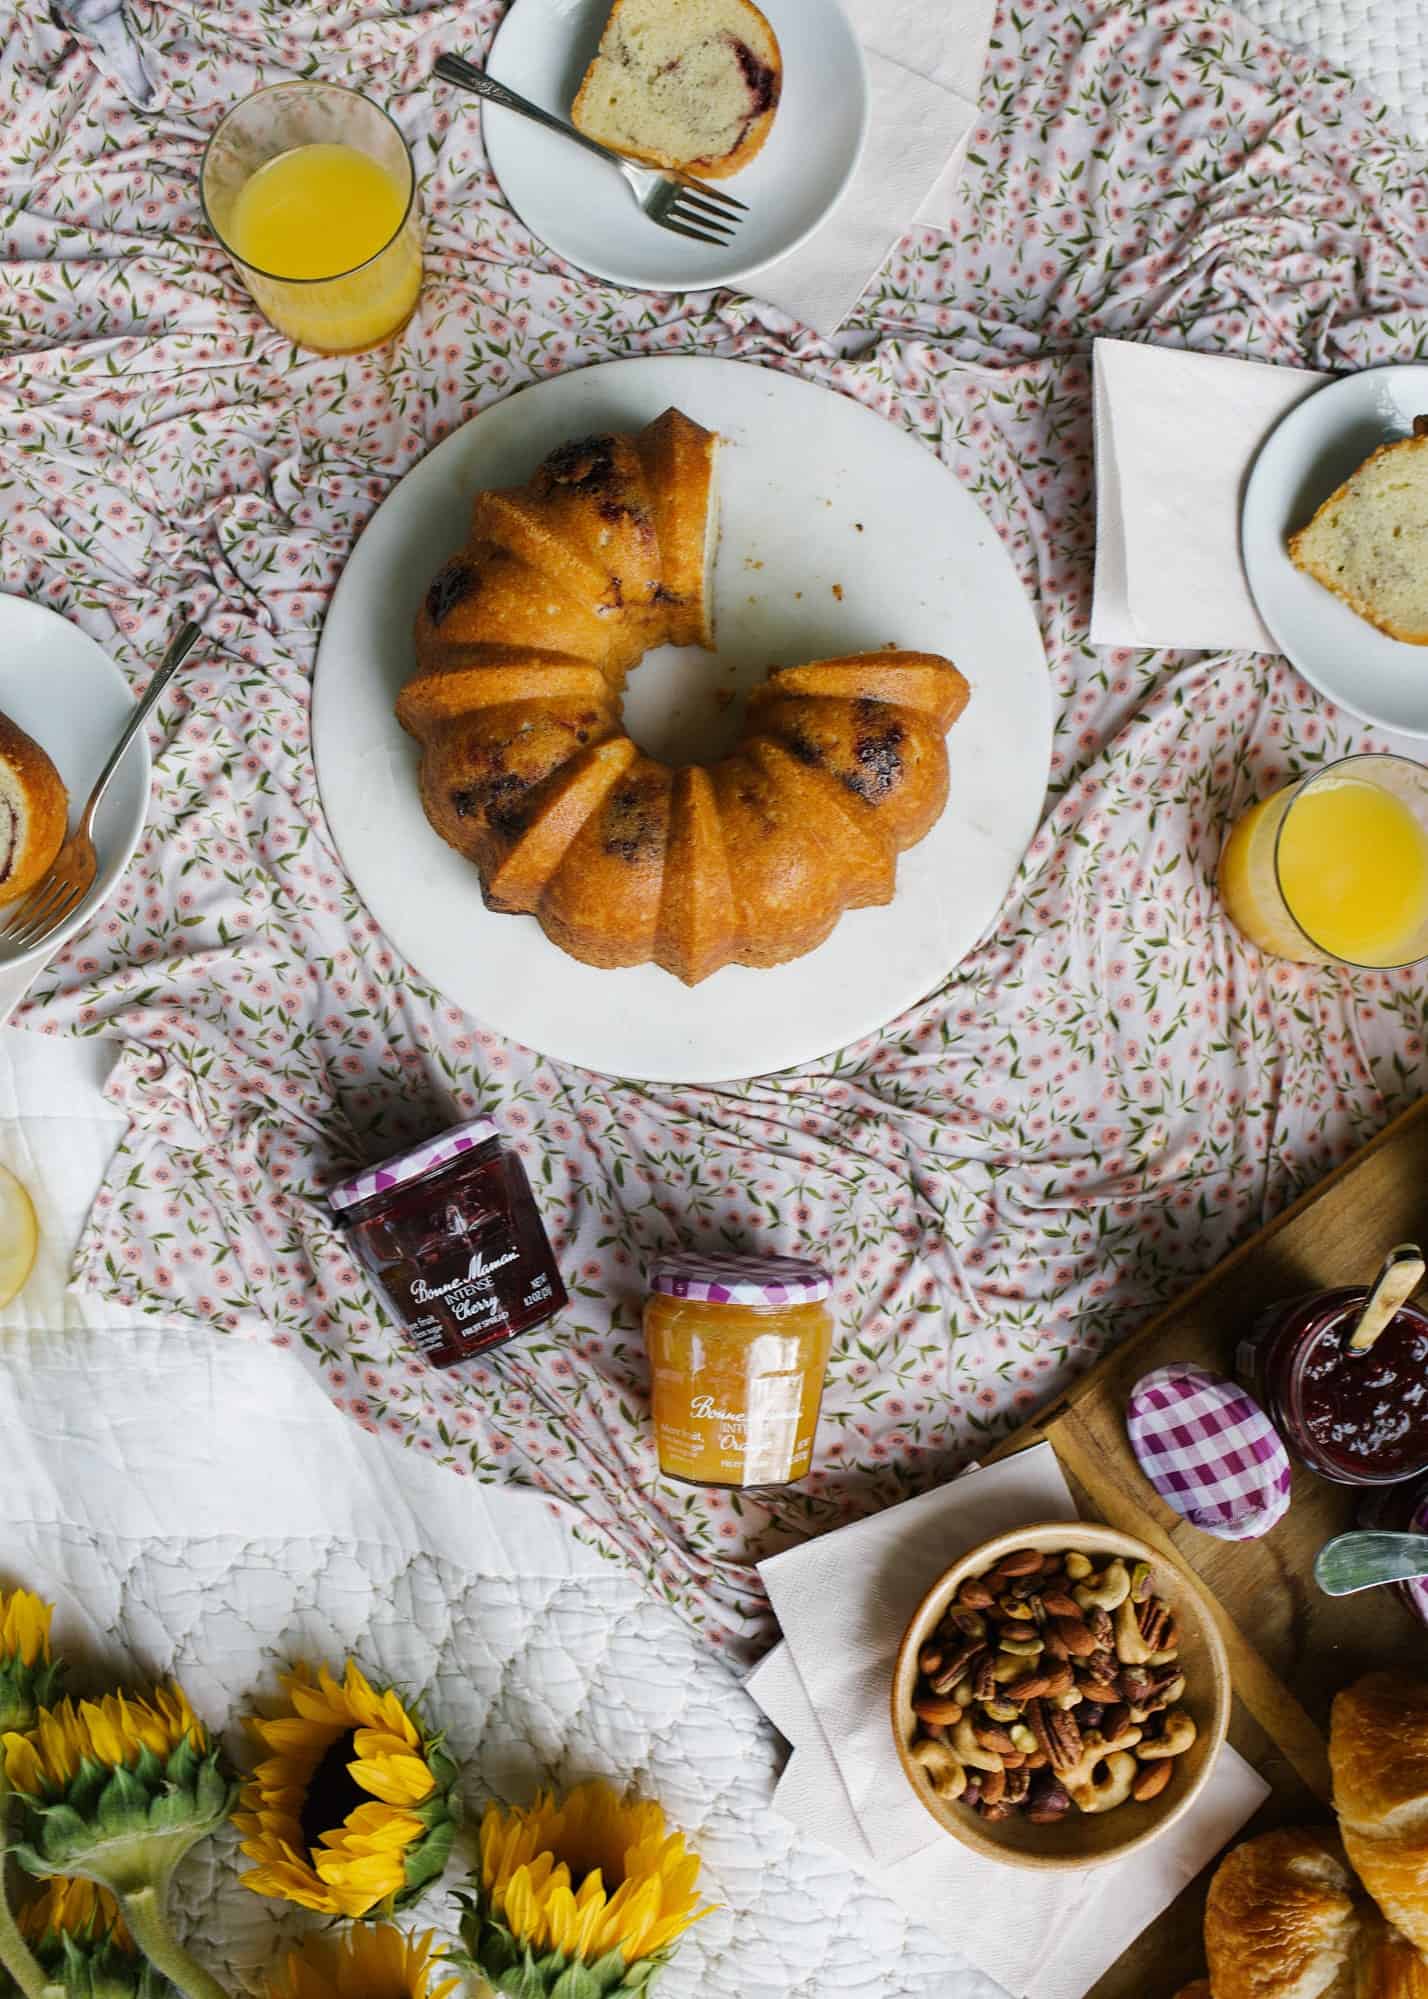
column 1399, row 1277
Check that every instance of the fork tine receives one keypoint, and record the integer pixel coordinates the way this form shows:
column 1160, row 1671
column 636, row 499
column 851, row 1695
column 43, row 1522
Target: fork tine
column 692, row 218
column 37, row 920
column 28, row 907
column 667, row 221
column 14, row 918
column 54, row 916
column 714, row 194
column 691, row 208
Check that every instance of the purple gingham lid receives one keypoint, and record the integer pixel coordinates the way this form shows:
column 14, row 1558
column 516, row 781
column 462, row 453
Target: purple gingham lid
column 410, row 1165
column 1210, row 1451
column 740, row 1280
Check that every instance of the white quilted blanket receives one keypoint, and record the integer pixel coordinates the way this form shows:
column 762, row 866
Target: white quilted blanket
column 131, row 1494
column 1383, row 44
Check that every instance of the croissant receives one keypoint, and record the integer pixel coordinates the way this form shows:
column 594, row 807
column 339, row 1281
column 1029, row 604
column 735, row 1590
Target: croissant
column 1378, row 1753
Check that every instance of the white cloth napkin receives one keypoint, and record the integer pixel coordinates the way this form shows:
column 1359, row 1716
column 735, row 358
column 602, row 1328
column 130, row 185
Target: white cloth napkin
column 1176, row 434
column 925, row 60
column 843, row 1602
column 15, row 982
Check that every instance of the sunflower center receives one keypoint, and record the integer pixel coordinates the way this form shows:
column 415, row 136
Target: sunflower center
column 333, row 1794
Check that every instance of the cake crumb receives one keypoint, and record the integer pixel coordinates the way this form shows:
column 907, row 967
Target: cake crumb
column 859, row 526
column 838, row 592
column 724, row 697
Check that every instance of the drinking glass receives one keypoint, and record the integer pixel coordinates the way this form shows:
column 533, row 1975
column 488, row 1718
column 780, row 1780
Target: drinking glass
column 1260, row 903
column 342, row 311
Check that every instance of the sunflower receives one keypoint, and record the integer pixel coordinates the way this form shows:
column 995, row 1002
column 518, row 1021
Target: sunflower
column 352, row 1809
column 586, row 1897
column 368, row 1961
column 29, row 1677
column 117, row 1790
column 83, row 1944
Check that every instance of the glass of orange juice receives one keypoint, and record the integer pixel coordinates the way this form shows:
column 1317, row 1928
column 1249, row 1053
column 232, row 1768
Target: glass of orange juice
column 310, row 189
column 1333, row 870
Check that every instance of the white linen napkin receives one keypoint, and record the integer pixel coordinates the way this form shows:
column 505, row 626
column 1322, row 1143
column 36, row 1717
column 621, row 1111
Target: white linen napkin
column 1176, row 434
column 843, row 1602
column 925, row 60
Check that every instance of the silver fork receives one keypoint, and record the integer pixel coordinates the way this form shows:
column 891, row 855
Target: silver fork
column 40, row 912
column 673, row 199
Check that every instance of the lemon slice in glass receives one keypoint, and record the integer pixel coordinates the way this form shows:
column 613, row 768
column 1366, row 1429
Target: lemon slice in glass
column 18, row 1235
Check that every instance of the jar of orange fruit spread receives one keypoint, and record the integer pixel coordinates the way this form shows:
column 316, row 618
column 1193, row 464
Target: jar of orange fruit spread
column 738, row 1349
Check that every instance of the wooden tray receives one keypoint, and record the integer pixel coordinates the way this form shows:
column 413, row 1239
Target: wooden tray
column 1291, row 1647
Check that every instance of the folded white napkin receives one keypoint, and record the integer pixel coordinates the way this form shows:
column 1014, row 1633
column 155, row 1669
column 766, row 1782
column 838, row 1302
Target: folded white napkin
column 843, row 1603
column 1176, row 434
column 925, row 61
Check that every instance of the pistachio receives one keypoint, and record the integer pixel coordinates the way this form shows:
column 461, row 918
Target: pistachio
column 1078, row 1566
column 1142, row 1576
column 1002, row 1710
column 1023, row 1648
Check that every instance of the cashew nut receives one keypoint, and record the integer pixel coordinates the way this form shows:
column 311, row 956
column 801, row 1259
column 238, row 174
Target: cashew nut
column 1107, row 1591
column 1103, row 1792
column 971, row 1751
column 1131, row 1648
column 943, row 1770
column 1178, row 1735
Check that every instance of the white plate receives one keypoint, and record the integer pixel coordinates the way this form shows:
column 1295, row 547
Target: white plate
column 71, row 697
column 1309, row 453
column 840, row 532
column 587, row 214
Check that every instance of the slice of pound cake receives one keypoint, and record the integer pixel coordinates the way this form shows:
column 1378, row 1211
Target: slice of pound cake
column 1368, row 543
column 34, row 811
column 683, row 83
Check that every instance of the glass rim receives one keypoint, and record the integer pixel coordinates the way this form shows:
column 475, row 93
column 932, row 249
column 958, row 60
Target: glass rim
column 271, row 90
column 1303, row 784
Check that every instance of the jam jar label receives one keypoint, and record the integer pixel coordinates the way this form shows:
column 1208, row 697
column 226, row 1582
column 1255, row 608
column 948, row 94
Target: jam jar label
column 460, row 1292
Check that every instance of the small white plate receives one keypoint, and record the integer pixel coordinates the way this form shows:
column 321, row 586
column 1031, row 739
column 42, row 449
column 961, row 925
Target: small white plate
column 69, row 695
column 585, row 211
column 839, row 533
column 1309, row 453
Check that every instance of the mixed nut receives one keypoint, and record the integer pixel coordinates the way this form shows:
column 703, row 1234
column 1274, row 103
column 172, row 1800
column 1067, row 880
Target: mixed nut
column 1051, row 1685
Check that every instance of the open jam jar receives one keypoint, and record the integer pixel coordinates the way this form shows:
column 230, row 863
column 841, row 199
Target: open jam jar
column 453, row 1240
column 1354, row 1418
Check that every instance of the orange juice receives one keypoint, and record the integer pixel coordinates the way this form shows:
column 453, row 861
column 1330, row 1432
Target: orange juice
column 1335, row 869
column 316, row 212
column 311, row 189
column 738, row 1348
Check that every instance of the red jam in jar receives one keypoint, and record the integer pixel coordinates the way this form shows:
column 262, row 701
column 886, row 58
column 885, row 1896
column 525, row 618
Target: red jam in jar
column 1356, row 1419
column 451, row 1236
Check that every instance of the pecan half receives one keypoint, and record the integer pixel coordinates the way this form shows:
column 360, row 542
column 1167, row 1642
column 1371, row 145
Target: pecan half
column 984, row 1683
column 1156, row 1624
column 1056, row 1732
column 1098, row 1623
column 1018, row 1784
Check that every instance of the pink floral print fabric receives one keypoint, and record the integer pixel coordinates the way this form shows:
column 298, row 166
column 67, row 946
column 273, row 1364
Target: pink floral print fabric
column 1100, row 1100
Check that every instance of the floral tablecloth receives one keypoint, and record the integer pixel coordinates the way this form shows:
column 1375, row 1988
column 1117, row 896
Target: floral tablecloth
column 1103, row 1096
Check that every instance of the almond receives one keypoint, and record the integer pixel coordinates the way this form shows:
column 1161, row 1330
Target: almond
column 1152, row 1781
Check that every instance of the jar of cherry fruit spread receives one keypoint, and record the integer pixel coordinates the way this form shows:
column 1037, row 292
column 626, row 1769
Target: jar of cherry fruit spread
column 1354, row 1418
column 452, row 1238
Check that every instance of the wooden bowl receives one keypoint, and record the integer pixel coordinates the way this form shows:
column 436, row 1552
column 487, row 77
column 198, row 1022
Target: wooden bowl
column 1082, row 1839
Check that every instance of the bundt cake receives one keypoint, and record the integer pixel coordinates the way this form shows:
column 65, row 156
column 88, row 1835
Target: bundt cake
column 522, row 645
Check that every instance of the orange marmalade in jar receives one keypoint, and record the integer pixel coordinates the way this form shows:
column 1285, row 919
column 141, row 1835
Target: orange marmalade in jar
column 738, row 1349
